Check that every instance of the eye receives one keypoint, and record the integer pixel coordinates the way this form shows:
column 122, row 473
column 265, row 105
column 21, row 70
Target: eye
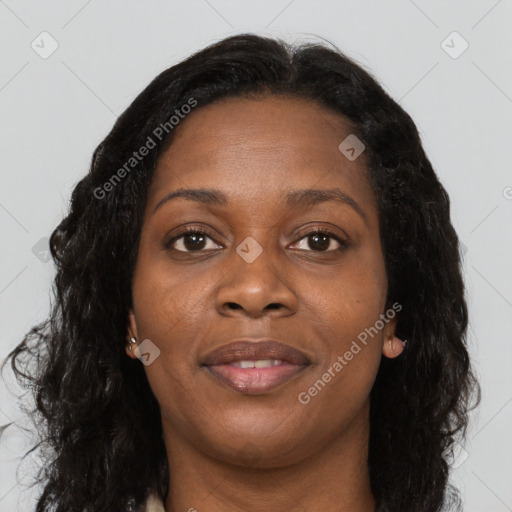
column 322, row 240
column 191, row 240
column 197, row 240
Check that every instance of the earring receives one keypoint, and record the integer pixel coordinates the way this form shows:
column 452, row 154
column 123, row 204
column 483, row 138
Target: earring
column 133, row 342
column 392, row 345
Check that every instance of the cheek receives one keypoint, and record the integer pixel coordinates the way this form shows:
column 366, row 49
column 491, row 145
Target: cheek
column 169, row 308
column 168, row 305
column 350, row 300
column 346, row 311
column 343, row 310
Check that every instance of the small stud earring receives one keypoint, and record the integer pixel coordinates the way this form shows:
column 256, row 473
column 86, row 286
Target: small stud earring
column 133, row 342
column 391, row 346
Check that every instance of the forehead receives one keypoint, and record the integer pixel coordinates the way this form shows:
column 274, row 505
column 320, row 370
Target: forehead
column 255, row 149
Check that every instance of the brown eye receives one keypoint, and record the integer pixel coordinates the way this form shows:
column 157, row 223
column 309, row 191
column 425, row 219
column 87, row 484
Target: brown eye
column 321, row 241
column 191, row 241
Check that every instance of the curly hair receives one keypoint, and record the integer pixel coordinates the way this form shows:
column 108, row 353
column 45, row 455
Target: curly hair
column 98, row 421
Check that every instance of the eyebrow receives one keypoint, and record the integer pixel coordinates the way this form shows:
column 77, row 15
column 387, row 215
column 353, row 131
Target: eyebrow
column 297, row 199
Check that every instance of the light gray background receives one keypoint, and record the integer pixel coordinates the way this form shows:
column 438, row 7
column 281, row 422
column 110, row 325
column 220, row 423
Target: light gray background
column 55, row 111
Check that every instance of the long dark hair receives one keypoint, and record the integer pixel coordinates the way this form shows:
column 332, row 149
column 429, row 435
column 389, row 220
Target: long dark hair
column 99, row 422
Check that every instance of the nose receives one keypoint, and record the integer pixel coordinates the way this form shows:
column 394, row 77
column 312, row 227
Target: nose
column 255, row 289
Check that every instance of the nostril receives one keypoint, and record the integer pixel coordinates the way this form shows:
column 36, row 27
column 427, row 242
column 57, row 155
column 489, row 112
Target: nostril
column 234, row 305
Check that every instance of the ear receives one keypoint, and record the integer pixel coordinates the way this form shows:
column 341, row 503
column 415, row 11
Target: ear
column 392, row 345
column 131, row 331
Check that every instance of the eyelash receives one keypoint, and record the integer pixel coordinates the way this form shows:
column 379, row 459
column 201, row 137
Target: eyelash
column 194, row 230
column 325, row 231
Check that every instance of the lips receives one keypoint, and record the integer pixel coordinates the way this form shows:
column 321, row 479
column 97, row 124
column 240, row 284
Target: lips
column 255, row 367
column 247, row 350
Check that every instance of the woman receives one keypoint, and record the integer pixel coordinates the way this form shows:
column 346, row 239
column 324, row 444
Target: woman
column 259, row 302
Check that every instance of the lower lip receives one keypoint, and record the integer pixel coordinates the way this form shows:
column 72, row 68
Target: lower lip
column 254, row 381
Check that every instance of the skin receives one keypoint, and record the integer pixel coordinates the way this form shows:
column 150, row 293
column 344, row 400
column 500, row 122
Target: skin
column 233, row 452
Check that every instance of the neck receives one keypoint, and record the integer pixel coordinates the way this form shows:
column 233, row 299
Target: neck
column 336, row 477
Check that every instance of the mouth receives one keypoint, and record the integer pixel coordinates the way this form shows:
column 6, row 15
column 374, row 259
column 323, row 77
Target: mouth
column 255, row 367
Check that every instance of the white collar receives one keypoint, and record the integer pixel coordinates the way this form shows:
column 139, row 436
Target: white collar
column 154, row 504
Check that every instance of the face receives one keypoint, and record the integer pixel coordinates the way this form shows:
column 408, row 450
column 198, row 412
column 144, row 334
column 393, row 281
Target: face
column 268, row 258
